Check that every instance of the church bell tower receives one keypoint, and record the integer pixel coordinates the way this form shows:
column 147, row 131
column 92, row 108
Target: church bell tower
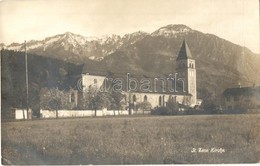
column 186, row 69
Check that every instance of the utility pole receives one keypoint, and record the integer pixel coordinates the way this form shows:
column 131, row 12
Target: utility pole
column 26, row 81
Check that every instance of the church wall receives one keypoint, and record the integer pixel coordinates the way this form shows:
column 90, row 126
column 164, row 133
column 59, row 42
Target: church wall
column 153, row 98
column 92, row 80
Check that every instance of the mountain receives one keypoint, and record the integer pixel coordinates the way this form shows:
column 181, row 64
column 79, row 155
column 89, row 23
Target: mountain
column 76, row 48
column 220, row 63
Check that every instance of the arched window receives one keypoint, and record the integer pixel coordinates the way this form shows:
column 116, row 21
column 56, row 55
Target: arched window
column 160, row 100
column 134, row 98
column 145, row 98
column 163, row 101
column 172, row 99
column 72, row 98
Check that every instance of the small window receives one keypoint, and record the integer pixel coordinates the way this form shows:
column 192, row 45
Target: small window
column 145, row 98
column 237, row 107
column 163, row 101
column 172, row 99
column 160, row 100
column 95, row 81
column 229, row 107
column 228, row 98
column 72, row 98
column 236, row 98
column 134, row 98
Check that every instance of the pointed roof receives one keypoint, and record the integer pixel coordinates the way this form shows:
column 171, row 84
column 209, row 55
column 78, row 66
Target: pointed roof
column 184, row 52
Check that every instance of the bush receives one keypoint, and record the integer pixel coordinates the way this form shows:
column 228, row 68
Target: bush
column 162, row 111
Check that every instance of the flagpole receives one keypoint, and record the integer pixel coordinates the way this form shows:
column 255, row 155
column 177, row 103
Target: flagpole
column 26, row 80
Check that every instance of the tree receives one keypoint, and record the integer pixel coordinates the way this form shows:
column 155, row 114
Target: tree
column 144, row 106
column 209, row 101
column 118, row 100
column 52, row 99
column 95, row 99
column 89, row 98
column 104, row 100
column 172, row 105
column 161, row 111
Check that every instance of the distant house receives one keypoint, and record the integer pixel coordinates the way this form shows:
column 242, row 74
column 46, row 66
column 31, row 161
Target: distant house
column 16, row 113
column 245, row 98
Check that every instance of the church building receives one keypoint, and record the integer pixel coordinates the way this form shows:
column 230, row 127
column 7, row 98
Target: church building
column 177, row 87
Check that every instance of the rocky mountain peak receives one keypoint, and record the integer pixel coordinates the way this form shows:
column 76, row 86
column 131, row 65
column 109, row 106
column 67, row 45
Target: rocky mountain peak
column 172, row 30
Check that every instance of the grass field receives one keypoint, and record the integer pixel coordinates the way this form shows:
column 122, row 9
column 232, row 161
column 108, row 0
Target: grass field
column 133, row 140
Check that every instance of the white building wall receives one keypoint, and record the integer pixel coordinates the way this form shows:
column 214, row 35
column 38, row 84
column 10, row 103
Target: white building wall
column 153, row 98
column 19, row 114
column 89, row 80
column 80, row 113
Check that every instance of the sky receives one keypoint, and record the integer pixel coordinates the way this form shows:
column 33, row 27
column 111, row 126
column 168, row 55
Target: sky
column 233, row 20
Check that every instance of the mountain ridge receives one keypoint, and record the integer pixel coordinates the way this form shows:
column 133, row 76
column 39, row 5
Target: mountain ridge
column 79, row 46
column 180, row 29
column 224, row 63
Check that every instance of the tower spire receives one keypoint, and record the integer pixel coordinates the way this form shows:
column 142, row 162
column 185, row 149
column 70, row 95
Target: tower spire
column 187, row 70
column 184, row 52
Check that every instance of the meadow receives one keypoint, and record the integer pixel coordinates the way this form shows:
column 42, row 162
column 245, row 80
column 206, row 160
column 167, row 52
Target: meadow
column 192, row 139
